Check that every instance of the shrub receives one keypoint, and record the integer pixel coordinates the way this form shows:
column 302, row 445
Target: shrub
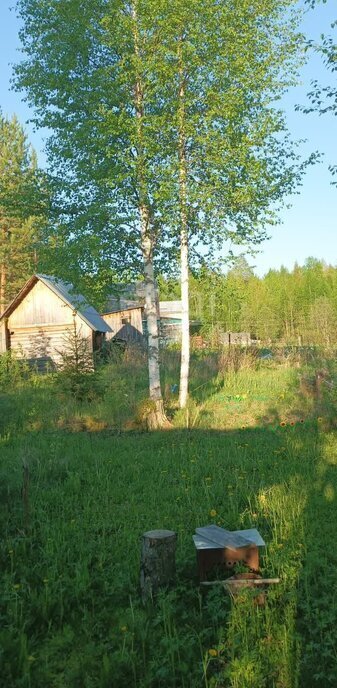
column 235, row 358
column 12, row 370
column 77, row 375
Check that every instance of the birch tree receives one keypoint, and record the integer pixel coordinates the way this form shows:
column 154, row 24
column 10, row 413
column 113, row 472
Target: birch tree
column 221, row 69
column 323, row 98
column 162, row 117
column 87, row 73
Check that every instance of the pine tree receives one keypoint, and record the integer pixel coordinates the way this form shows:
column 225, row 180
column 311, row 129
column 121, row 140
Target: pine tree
column 23, row 200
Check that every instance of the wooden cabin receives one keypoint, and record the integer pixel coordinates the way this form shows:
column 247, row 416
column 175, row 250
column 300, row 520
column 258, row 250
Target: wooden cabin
column 124, row 318
column 40, row 320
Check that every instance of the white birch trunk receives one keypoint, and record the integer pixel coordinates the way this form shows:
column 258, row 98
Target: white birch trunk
column 185, row 319
column 156, row 417
column 150, row 309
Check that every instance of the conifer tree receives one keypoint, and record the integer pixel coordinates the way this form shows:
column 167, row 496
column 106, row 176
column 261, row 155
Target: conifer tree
column 22, row 209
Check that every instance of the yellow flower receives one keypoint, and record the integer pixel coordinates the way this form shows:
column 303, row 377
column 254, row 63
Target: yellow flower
column 213, row 652
column 212, row 513
column 262, row 499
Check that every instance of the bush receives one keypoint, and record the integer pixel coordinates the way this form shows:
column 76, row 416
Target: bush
column 77, row 375
column 112, row 351
column 234, row 358
column 12, row 370
column 82, row 385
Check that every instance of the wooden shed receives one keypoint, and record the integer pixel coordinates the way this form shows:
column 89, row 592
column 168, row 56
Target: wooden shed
column 124, row 318
column 45, row 313
column 170, row 323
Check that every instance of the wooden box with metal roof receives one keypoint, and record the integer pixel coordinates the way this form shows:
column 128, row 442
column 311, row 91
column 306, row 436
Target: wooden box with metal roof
column 218, row 547
column 43, row 314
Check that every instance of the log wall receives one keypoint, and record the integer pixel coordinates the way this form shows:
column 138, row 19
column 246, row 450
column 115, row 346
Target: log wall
column 130, row 331
column 40, row 326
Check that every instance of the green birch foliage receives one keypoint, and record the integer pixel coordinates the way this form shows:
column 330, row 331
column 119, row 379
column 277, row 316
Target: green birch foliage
column 235, row 60
column 80, row 72
column 323, row 98
column 80, row 75
column 23, row 206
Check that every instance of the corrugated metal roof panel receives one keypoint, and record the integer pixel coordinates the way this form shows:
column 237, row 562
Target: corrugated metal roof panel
column 115, row 305
column 213, row 537
column 169, row 307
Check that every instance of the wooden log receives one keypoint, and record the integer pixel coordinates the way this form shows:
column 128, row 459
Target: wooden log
column 158, row 564
column 242, row 582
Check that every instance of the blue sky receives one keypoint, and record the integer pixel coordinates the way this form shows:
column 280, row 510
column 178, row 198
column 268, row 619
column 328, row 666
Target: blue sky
column 309, row 227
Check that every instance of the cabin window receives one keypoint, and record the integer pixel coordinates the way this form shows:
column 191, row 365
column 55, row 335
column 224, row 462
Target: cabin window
column 126, row 320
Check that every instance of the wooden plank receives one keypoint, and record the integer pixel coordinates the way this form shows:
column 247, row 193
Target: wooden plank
column 241, row 582
column 39, row 306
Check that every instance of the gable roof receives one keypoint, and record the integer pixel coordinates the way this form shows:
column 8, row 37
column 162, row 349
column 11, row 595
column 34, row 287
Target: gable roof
column 65, row 292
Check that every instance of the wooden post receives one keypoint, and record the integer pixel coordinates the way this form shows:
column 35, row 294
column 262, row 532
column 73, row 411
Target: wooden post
column 25, row 497
column 158, row 563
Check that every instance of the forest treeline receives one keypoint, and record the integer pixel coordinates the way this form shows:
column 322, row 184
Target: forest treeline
column 297, row 306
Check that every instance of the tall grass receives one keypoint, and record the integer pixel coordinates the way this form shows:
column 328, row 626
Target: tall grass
column 70, row 604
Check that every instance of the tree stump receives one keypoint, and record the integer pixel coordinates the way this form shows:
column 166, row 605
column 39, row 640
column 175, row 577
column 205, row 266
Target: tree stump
column 158, row 562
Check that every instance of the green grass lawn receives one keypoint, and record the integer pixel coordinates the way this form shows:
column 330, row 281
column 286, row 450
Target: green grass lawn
column 250, row 450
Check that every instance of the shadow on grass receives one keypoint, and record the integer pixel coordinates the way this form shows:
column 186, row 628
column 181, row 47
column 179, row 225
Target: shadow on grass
column 70, row 603
column 70, row 576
